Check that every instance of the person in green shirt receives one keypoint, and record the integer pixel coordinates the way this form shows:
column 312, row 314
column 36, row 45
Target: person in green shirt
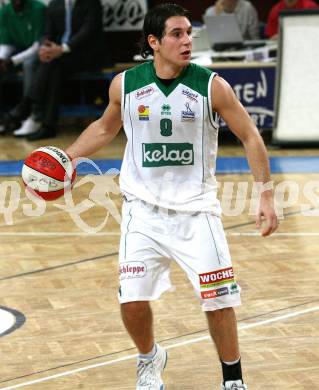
column 21, row 27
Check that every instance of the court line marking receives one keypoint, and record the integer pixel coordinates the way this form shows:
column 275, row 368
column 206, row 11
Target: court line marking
column 56, row 267
column 75, row 234
column 59, row 234
column 17, row 221
column 176, row 345
column 277, row 234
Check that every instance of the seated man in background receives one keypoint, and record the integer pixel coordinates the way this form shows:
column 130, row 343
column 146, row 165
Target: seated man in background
column 245, row 12
column 273, row 17
column 73, row 42
column 21, row 26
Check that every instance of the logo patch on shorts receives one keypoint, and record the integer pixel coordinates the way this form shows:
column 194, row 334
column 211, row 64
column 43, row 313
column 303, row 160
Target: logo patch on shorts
column 132, row 269
column 216, row 278
column 214, row 293
column 234, row 289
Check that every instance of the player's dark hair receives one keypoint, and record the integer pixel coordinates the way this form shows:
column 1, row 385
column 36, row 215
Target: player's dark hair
column 154, row 23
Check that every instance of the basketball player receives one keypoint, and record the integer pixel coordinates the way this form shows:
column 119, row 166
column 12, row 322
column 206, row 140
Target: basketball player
column 169, row 109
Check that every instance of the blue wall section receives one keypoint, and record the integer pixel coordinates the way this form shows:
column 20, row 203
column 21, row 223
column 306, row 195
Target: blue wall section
column 225, row 165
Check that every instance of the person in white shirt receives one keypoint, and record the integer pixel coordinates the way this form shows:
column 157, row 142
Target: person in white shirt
column 245, row 12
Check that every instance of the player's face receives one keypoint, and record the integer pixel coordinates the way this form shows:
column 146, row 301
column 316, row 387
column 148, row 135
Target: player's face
column 18, row 5
column 176, row 45
column 229, row 5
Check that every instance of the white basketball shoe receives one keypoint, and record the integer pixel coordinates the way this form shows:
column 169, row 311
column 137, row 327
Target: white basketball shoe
column 29, row 126
column 234, row 385
column 149, row 371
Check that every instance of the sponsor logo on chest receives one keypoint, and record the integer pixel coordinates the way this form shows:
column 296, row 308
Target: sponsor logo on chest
column 166, row 109
column 143, row 113
column 144, row 92
column 190, row 95
column 188, row 115
column 167, row 154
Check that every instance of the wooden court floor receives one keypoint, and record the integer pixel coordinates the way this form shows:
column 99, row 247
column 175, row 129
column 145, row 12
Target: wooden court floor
column 64, row 281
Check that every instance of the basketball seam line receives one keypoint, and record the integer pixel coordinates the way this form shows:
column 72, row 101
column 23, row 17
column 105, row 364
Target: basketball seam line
column 61, row 181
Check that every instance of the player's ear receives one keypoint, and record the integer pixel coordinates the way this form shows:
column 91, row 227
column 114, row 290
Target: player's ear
column 153, row 42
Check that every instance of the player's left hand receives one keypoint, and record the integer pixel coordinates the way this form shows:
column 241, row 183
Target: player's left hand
column 266, row 219
column 5, row 65
column 50, row 51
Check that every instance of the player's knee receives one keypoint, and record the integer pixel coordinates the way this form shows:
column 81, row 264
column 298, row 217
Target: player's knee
column 220, row 314
column 134, row 309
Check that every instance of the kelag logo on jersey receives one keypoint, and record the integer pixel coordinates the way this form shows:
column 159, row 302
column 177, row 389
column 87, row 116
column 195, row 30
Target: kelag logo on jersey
column 168, row 154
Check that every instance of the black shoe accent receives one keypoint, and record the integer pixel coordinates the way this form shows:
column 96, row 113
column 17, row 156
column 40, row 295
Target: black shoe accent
column 23, row 110
column 232, row 372
column 10, row 123
column 43, row 133
column 14, row 118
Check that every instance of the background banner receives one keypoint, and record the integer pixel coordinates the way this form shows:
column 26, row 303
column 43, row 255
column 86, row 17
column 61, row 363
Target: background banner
column 123, row 15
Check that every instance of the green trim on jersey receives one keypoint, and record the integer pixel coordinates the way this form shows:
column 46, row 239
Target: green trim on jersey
column 138, row 77
column 193, row 76
column 197, row 78
column 167, row 89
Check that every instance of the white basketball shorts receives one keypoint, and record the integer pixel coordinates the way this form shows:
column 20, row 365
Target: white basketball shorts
column 152, row 237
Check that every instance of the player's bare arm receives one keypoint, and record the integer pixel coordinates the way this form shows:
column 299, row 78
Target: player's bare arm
column 231, row 110
column 103, row 130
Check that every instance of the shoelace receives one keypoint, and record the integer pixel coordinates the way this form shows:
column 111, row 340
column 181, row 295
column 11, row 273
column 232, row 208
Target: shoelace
column 146, row 373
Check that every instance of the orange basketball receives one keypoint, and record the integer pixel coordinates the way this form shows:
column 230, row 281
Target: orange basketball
column 48, row 171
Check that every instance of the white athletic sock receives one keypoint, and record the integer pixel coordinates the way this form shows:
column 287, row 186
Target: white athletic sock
column 150, row 354
column 231, row 363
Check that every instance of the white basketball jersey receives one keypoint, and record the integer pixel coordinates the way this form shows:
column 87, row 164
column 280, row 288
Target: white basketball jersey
column 172, row 133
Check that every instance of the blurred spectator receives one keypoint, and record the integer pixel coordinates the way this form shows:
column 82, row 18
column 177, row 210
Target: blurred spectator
column 273, row 17
column 73, row 41
column 245, row 12
column 21, row 26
